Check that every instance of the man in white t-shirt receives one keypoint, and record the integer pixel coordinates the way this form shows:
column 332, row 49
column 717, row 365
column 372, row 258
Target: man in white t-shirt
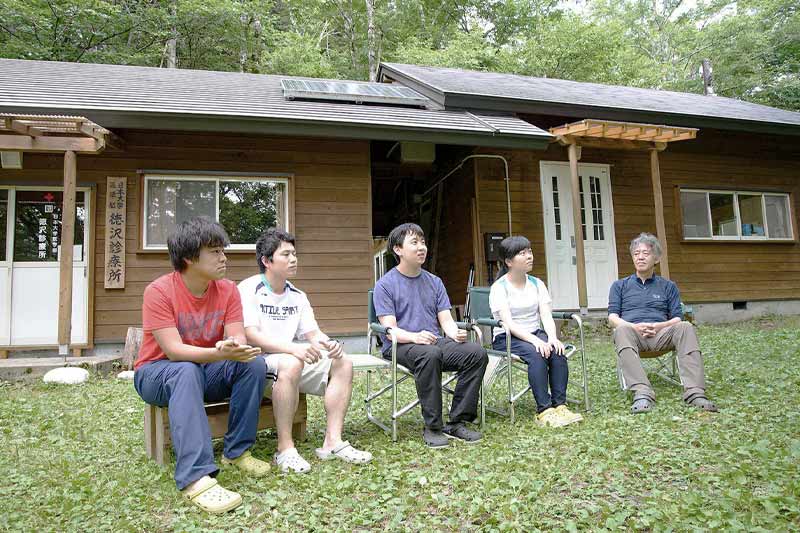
column 278, row 318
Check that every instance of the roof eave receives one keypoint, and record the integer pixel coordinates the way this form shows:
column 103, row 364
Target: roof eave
column 427, row 90
column 453, row 101
column 112, row 119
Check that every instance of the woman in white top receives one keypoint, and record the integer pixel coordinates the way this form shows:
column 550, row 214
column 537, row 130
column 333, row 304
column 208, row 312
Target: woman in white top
column 523, row 304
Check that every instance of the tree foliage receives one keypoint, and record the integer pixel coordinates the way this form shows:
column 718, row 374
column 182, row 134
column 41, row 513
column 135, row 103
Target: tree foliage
column 754, row 45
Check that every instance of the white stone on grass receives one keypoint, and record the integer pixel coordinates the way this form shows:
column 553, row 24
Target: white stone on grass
column 126, row 374
column 68, row 375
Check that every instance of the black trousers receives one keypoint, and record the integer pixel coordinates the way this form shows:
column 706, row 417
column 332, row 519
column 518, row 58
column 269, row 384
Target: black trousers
column 428, row 361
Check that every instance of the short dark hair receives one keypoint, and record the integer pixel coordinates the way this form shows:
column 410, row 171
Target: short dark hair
column 398, row 235
column 268, row 242
column 510, row 247
column 190, row 236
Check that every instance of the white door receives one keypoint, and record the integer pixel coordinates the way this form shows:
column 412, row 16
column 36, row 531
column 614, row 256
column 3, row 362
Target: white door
column 6, row 231
column 597, row 232
column 34, row 250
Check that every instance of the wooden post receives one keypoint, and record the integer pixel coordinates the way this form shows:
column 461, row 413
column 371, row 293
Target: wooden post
column 583, row 299
column 658, row 199
column 477, row 246
column 65, row 261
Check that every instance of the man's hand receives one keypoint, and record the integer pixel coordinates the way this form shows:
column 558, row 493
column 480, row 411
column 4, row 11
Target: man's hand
column 424, row 337
column 645, row 329
column 542, row 347
column 233, row 351
column 335, row 349
column 461, row 335
column 308, row 353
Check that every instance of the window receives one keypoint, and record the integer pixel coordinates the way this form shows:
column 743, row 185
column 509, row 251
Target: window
column 244, row 206
column 583, row 208
column 735, row 215
column 597, row 208
column 556, row 209
column 37, row 225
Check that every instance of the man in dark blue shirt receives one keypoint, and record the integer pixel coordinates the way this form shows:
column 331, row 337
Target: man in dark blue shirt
column 645, row 312
column 414, row 304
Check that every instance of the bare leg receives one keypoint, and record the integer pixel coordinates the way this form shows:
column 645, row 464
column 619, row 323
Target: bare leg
column 284, row 399
column 337, row 399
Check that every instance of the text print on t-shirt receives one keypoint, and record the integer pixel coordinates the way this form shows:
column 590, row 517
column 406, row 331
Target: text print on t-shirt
column 277, row 312
column 201, row 326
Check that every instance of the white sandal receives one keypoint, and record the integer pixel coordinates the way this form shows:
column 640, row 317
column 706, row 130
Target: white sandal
column 290, row 460
column 346, row 453
column 211, row 497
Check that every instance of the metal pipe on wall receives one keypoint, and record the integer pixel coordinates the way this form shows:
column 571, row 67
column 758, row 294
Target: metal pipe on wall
column 481, row 156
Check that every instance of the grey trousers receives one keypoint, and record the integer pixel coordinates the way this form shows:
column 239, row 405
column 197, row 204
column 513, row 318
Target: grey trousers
column 681, row 337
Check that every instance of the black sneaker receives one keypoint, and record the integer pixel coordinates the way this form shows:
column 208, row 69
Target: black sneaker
column 434, row 438
column 462, row 433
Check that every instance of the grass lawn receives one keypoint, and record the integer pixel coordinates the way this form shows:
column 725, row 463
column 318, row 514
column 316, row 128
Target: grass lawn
column 73, row 460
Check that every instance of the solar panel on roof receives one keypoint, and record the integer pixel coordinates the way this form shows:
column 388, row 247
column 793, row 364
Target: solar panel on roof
column 349, row 91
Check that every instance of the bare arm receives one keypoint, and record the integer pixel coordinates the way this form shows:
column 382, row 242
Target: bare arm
column 321, row 341
column 235, row 331
column 517, row 330
column 449, row 326
column 645, row 329
column 658, row 326
column 616, row 321
column 549, row 325
column 308, row 353
column 402, row 336
column 231, row 348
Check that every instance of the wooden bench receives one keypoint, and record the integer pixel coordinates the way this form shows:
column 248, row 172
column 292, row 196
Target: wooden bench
column 157, row 441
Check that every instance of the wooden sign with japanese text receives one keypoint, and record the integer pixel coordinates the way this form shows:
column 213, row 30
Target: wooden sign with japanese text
column 116, row 201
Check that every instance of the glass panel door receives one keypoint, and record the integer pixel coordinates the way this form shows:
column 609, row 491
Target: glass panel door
column 34, row 266
column 37, row 226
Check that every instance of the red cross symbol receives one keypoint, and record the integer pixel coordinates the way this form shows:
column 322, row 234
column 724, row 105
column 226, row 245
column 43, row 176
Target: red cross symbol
column 49, row 197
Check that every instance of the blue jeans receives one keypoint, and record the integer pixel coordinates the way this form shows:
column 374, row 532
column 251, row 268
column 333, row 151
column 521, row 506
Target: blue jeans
column 541, row 372
column 183, row 387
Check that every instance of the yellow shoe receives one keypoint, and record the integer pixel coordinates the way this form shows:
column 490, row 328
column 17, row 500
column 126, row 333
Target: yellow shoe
column 549, row 418
column 247, row 463
column 208, row 495
column 568, row 416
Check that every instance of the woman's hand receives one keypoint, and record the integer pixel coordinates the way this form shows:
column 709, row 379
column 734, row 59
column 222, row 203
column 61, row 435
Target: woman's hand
column 542, row 347
column 558, row 346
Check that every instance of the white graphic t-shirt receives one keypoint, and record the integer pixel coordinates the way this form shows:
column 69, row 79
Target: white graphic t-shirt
column 282, row 317
column 523, row 304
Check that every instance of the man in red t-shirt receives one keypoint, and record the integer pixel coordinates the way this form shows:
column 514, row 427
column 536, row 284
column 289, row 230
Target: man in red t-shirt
column 194, row 350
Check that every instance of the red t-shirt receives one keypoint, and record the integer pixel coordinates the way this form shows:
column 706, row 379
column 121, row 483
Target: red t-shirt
column 200, row 321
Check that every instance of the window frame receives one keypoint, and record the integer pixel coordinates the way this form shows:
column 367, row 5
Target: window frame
column 738, row 238
column 215, row 177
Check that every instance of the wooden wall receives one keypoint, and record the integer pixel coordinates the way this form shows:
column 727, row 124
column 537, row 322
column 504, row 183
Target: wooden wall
column 332, row 220
column 705, row 272
column 454, row 249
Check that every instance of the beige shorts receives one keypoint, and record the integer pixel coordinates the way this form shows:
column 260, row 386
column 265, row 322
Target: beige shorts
column 313, row 380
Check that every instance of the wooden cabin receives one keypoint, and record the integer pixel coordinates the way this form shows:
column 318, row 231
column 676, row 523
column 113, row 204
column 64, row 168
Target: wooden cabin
column 130, row 151
column 99, row 162
column 716, row 179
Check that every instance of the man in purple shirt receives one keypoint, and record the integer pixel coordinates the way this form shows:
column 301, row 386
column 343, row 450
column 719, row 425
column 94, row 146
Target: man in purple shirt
column 645, row 312
column 414, row 304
